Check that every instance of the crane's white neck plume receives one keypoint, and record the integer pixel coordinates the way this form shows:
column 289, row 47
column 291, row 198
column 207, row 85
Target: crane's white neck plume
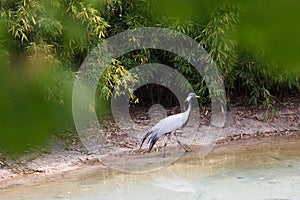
column 186, row 114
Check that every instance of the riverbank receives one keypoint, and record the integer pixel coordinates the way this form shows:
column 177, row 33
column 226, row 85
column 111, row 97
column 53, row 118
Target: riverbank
column 244, row 127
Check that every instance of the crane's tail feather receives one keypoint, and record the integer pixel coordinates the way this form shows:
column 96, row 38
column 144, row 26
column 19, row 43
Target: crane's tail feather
column 144, row 138
column 153, row 139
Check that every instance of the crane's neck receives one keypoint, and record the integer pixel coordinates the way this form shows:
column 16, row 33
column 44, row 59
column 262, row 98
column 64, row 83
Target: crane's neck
column 186, row 114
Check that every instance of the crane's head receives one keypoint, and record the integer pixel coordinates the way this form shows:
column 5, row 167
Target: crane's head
column 191, row 96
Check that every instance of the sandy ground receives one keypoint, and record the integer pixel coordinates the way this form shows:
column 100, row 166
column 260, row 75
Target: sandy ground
column 243, row 125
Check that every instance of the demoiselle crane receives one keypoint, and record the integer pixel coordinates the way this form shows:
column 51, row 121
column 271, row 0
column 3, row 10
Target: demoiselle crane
column 168, row 126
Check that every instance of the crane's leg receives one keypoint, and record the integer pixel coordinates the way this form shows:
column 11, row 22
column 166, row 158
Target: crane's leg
column 166, row 142
column 180, row 142
column 165, row 145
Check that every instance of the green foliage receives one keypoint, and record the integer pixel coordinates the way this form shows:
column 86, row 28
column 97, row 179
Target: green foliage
column 217, row 30
column 254, row 79
column 218, row 37
column 40, row 42
column 271, row 27
column 116, row 78
column 24, row 113
column 58, row 30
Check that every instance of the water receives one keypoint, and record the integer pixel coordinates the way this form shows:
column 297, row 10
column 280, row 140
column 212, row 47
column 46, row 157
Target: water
column 264, row 172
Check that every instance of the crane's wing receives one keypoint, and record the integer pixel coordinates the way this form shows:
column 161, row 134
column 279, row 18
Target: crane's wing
column 145, row 137
column 153, row 139
column 164, row 126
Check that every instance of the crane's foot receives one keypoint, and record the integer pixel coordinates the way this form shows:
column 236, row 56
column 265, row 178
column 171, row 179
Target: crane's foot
column 186, row 150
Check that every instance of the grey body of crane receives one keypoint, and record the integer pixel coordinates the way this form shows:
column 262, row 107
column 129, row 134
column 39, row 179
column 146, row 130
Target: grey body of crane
column 168, row 126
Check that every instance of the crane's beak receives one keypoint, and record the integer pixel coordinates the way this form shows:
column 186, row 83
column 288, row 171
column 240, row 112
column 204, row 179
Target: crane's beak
column 198, row 97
